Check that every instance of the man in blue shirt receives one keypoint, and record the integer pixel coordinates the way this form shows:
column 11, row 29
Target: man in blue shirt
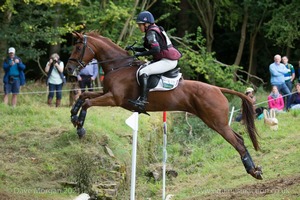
column 277, row 71
column 288, row 77
column 87, row 75
column 14, row 76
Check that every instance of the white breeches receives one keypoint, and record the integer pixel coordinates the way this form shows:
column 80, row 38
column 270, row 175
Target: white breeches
column 159, row 67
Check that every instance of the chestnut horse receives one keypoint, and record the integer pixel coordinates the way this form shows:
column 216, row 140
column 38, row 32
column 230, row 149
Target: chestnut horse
column 201, row 99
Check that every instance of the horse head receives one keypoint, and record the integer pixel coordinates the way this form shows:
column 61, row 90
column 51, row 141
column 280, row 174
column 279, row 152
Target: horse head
column 81, row 55
column 93, row 45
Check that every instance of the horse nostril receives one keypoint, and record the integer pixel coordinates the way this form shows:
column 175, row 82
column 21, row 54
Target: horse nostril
column 69, row 69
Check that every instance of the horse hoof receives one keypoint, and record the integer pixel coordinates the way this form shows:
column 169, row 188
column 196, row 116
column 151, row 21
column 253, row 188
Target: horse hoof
column 257, row 173
column 74, row 120
column 81, row 132
column 258, row 168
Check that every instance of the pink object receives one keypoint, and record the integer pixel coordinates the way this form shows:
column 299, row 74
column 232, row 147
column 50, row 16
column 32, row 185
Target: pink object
column 276, row 103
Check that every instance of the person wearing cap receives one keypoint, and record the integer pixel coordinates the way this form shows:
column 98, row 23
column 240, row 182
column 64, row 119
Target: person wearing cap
column 55, row 80
column 258, row 110
column 158, row 45
column 14, row 76
column 250, row 93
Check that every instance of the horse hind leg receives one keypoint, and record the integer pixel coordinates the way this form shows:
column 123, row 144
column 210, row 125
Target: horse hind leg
column 256, row 172
column 246, row 158
column 238, row 143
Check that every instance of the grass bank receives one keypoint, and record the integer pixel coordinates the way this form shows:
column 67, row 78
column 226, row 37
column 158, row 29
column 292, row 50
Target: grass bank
column 40, row 150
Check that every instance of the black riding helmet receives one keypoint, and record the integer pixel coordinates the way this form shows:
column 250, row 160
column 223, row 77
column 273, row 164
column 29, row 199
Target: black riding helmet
column 145, row 17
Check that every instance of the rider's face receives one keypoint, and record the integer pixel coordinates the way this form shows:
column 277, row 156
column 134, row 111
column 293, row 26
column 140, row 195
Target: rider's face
column 142, row 27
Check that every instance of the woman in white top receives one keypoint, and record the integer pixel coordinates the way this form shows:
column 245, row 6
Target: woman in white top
column 55, row 80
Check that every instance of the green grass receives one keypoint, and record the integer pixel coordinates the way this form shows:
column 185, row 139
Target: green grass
column 40, row 149
column 219, row 169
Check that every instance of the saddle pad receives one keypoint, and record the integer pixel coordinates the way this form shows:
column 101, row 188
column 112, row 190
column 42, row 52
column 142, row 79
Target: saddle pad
column 166, row 84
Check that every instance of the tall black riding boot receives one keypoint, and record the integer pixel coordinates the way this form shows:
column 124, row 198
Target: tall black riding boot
column 142, row 100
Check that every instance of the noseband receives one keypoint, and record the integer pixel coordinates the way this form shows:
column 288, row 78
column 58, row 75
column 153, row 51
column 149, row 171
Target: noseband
column 81, row 63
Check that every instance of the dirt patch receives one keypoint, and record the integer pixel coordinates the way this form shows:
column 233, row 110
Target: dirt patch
column 4, row 195
column 8, row 196
column 280, row 185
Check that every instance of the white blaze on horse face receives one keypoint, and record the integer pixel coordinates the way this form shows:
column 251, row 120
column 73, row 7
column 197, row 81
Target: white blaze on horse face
column 75, row 72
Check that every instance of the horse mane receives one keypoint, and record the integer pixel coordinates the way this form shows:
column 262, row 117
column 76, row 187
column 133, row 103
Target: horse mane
column 93, row 33
column 96, row 34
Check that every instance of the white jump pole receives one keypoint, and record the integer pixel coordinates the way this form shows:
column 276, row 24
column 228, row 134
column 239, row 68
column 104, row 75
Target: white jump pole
column 231, row 115
column 164, row 154
column 132, row 122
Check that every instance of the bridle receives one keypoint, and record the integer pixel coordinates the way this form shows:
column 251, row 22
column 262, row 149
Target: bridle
column 81, row 63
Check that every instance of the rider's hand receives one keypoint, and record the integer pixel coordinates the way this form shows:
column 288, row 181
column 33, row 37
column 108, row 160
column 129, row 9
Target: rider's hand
column 128, row 48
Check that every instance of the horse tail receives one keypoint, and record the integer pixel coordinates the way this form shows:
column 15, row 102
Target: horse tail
column 248, row 114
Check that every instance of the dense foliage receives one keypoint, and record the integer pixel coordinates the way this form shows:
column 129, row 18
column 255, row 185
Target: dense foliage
column 221, row 41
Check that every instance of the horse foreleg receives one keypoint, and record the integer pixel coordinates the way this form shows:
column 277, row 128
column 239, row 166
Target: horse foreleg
column 75, row 109
column 103, row 100
column 80, row 101
column 81, row 118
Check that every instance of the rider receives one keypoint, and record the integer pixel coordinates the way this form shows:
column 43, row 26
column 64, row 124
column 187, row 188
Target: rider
column 157, row 44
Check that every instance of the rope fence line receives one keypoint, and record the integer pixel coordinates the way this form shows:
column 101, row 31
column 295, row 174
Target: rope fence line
column 94, row 88
column 257, row 104
column 47, row 91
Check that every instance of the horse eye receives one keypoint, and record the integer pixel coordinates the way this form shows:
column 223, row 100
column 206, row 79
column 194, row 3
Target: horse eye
column 78, row 48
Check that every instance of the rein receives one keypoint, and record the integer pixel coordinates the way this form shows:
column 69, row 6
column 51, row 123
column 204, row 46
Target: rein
column 111, row 60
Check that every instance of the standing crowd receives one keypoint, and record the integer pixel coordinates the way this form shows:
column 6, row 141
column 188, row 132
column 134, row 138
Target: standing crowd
column 14, row 77
column 283, row 75
column 284, row 95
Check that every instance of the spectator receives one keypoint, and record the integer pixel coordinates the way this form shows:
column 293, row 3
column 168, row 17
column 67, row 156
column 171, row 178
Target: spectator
column 14, row 76
column 87, row 75
column 290, row 76
column 295, row 99
column 250, row 93
column 298, row 72
column 277, row 71
column 54, row 68
column 275, row 100
column 101, row 74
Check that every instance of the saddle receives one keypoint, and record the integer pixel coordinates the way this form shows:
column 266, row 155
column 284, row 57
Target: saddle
column 162, row 82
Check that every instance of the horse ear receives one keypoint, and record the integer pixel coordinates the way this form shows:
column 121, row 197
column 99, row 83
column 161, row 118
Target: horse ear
column 76, row 34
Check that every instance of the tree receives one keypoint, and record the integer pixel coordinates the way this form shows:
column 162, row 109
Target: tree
column 260, row 12
column 283, row 28
column 205, row 11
